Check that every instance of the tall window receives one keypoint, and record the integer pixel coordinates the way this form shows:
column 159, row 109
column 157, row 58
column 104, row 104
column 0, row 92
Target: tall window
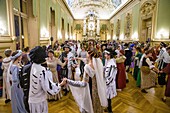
column 68, row 29
column 62, row 24
column 20, row 23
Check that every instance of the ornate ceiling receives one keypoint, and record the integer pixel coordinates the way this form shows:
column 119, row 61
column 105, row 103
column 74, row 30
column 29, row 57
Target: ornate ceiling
column 103, row 9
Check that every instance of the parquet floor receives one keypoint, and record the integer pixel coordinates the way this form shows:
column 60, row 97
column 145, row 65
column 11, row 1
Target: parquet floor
column 130, row 100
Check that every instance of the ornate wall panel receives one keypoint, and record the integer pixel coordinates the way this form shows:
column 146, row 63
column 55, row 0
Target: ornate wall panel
column 128, row 25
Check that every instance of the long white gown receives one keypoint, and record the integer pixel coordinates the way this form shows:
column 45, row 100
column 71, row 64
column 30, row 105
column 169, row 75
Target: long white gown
column 81, row 92
column 6, row 85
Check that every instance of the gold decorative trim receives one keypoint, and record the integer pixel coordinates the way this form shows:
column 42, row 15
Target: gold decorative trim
column 44, row 39
column 5, row 39
column 147, row 9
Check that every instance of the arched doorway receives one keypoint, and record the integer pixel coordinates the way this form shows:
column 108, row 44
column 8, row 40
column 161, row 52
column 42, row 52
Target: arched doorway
column 147, row 13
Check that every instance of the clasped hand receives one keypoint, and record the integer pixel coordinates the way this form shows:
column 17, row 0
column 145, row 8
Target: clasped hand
column 64, row 82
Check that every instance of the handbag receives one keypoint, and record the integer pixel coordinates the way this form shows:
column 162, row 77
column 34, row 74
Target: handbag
column 145, row 69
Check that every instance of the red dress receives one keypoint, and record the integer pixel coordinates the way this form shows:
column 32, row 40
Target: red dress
column 121, row 76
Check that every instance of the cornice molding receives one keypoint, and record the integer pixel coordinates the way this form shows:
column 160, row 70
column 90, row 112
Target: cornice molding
column 123, row 7
column 66, row 6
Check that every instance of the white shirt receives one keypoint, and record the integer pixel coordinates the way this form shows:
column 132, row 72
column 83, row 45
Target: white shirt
column 166, row 57
column 41, row 84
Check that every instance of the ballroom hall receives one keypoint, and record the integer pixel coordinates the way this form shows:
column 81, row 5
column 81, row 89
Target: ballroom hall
column 84, row 56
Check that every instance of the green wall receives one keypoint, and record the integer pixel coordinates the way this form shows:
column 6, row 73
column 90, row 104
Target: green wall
column 135, row 21
column 122, row 24
column 163, row 17
column 45, row 17
column 3, row 16
column 135, row 18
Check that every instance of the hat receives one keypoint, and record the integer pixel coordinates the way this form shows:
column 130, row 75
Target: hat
column 110, row 52
column 37, row 55
column 7, row 52
column 163, row 44
column 19, row 53
column 51, row 51
column 70, row 43
column 103, row 45
column 126, row 44
column 66, row 46
column 132, row 45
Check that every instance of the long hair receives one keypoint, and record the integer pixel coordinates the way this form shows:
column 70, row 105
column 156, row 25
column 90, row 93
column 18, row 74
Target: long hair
column 93, row 53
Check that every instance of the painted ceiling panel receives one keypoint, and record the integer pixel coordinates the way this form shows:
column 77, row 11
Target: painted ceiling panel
column 103, row 9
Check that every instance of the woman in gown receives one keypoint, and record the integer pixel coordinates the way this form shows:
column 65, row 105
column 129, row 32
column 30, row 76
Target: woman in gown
column 6, row 85
column 17, row 94
column 81, row 91
column 137, row 60
column 148, row 79
column 121, row 71
column 52, row 64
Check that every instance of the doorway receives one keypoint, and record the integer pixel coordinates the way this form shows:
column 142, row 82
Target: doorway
column 146, row 29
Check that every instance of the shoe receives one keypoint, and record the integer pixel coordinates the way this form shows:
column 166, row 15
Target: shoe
column 6, row 101
column 138, row 86
column 144, row 91
column 127, row 81
column 65, row 92
column 105, row 110
column 164, row 100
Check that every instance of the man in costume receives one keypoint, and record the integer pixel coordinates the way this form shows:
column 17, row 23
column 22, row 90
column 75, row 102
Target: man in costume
column 41, row 82
column 110, row 71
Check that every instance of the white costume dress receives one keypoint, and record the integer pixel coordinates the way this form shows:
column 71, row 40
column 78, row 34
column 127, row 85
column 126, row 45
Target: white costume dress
column 6, row 85
column 70, row 63
column 110, row 75
column 81, row 91
column 40, row 84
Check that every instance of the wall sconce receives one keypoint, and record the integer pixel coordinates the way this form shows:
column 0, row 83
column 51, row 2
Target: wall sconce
column 135, row 36
column 121, row 36
column 74, row 37
column 66, row 36
column 14, row 38
column 22, row 36
column 44, row 33
column 114, row 37
column 59, row 35
column 162, row 34
column 71, row 37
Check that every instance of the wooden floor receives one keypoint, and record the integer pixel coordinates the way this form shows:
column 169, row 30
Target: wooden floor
column 130, row 100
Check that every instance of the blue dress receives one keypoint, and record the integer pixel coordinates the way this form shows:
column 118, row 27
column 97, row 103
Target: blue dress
column 17, row 94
